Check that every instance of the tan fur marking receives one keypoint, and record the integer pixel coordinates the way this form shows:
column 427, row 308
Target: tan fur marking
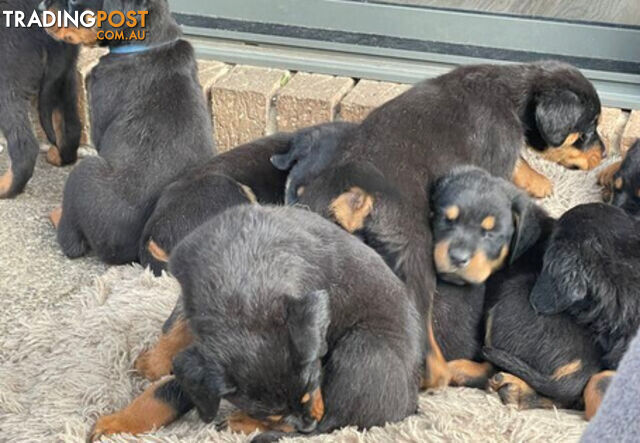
column 53, row 156
column 317, row 405
column 452, row 212
column 305, row 398
column 157, row 361
column 618, row 183
column 605, row 177
column 567, row 370
column 489, row 223
column 464, row 372
column 55, row 217
column 515, row 391
column 157, row 252
column 481, row 267
column 441, row 256
column 351, row 208
column 240, row 422
column 57, row 118
column 6, row 181
column 536, row 184
column 593, row 394
column 571, row 139
column 571, row 157
column 72, row 35
column 144, row 414
column 438, row 374
column 249, row 193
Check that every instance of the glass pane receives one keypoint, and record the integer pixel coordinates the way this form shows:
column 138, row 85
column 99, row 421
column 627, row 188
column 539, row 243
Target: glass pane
column 615, row 12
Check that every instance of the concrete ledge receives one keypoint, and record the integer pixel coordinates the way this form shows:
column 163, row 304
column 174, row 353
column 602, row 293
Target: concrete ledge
column 366, row 96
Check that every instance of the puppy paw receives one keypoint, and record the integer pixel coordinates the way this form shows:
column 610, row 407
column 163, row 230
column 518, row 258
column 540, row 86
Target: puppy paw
column 53, row 156
column 540, row 187
column 108, row 425
column 55, row 216
column 153, row 366
column 605, row 177
column 514, row 391
column 6, row 180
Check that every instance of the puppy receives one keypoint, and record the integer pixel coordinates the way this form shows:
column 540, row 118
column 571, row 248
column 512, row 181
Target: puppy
column 283, row 308
column 623, row 187
column 476, row 218
column 588, row 273
column 149, row 124
column 311, row 151
column 35, row 65
column 239, row 176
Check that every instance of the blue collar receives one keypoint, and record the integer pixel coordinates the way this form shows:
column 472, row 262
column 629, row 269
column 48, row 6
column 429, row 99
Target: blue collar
column 135, row 49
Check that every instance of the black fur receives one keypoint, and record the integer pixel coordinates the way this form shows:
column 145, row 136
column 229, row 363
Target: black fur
column 590, row 272
column 281, row 302
column 627, row 196
column 208, row 190
column 149, row 124
column 35, row 65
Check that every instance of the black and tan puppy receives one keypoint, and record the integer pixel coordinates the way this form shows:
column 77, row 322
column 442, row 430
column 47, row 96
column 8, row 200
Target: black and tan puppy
column 622, row 188
column 35, row 65
column 281, row 308
column 239, row 176
column 149, row 124
column 476, row 217
column 589, row 272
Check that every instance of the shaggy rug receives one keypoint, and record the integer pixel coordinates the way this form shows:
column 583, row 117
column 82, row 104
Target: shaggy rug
column 70, row 332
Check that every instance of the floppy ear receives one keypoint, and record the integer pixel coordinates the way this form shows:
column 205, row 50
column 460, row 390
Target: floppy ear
column 202, row 380
column 528, row 220
column 283, row 162
column 351, row 208
column 308, row 319
column 557, row 112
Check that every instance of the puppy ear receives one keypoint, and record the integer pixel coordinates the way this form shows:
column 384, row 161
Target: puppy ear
column 557, row 112
column 561, row 283
column 528, row 220
column 351, row 208
column 202, row 380
column 308, row 319
column 283, row 162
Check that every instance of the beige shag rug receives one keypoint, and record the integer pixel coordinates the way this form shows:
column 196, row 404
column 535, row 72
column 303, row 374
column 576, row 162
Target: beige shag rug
column 69, row 335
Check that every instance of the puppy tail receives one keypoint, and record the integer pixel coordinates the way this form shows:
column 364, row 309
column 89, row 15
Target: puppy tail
column 566, row 391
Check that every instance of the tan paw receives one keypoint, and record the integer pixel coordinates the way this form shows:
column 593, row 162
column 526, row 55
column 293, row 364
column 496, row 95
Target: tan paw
column 53, row 156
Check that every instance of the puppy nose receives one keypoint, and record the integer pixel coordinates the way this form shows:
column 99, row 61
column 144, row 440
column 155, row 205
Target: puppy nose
column 460, row 257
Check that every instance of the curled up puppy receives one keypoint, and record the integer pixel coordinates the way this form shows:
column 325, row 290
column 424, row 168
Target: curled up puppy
column 279, row 310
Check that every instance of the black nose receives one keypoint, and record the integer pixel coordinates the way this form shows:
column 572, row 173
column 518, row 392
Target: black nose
column 460, row 257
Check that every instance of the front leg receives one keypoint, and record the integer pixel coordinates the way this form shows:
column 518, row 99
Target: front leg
column 530, row 180
column 470, row 373
column 157, row 361
column 573, row 158
column 160, row 404
column 515, row 391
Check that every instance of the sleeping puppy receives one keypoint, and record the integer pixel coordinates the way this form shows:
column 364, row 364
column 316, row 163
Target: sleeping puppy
column 149, row 124
column 476, row 217
column 35, row 65
column 624, row 189
column 311, row 151
column 239, row 176
column 280, row 308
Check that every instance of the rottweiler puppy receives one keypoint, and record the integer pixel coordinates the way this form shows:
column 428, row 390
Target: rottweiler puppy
column 622, row 182
column 239, row 176
column 279, row 310
column 149, row 124
column 476, row 217
column 310, row 153
column 35, row 65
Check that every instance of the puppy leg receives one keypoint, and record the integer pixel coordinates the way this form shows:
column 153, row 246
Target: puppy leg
column 437, row 372
column 361, row 370
column 514, row 391
column 574, row 158
column 594, row 392
column 22, row 146
column 157, row 361
column 605, row 177
column 68, row 140
column 470, row 373
column 160, row 404
column 536, row 184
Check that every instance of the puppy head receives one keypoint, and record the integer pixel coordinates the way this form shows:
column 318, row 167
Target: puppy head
column 272, row 373
column 565, row 109
column 626, row 183
column 73, row 35
column 479, row 222
column 349, row 194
